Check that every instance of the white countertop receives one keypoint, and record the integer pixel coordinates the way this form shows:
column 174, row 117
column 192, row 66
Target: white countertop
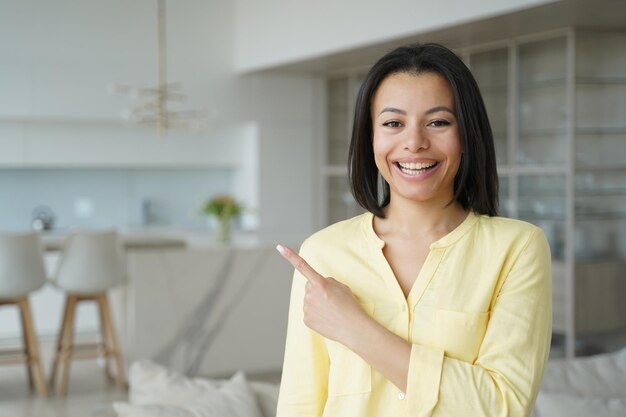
column 166, row 237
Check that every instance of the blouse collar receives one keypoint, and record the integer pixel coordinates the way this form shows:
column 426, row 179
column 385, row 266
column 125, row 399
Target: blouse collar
column 445, row 241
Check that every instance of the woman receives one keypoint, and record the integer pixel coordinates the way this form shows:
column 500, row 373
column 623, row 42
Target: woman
column 427, row 305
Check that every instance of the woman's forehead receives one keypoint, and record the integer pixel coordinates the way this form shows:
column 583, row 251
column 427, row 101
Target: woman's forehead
column 412, row 90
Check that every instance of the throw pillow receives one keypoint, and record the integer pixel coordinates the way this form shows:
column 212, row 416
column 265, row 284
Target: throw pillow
column 157, row 392
column 564, row 405
column 600, row 376
column 150, row 383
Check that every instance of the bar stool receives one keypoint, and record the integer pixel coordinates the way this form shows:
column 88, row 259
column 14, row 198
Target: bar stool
column 22, row 271
column 92, row 262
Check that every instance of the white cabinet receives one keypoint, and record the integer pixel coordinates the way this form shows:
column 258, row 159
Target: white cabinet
column 109, row 143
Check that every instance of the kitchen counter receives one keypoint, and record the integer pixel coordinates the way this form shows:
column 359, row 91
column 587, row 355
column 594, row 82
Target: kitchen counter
column 131, row 241
column 164, row 237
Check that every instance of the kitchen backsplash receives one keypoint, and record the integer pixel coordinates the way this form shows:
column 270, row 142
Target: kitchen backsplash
column 100, row 198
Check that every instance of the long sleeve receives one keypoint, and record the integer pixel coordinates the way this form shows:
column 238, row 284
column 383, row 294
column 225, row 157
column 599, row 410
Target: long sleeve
column 303, row 389
column 505, row 377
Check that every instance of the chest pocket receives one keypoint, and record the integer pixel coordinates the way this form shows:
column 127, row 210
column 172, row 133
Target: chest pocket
column 459, row 334
column 349, row 374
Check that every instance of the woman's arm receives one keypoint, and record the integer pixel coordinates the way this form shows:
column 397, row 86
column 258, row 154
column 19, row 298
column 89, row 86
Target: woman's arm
column 504, row 379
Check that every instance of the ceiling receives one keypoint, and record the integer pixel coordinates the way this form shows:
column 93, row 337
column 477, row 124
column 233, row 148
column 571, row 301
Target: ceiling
column 609, row 14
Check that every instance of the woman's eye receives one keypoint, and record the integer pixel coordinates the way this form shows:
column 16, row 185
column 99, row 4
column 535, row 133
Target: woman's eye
column 392, row 124
column 439, row 123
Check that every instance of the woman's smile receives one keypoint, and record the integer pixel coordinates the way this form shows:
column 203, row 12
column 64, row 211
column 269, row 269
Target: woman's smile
column 416, row 170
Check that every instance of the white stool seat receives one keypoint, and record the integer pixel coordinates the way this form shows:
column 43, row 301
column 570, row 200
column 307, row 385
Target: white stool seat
column 22, row 271
column 92, row 262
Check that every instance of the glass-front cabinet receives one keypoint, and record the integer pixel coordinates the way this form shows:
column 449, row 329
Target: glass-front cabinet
column 562, row 166
column 341, row 92
column 557, row 106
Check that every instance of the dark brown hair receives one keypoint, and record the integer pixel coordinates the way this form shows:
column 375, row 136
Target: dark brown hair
column 476, row 182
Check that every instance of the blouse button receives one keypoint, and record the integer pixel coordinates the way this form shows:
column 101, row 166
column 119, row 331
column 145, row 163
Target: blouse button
column 403, row 308
column 401, row 396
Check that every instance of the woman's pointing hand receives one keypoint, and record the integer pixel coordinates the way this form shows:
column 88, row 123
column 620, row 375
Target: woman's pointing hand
column 330, row 308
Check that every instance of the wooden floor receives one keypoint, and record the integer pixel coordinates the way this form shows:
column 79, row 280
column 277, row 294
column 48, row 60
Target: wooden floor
column 89, row 392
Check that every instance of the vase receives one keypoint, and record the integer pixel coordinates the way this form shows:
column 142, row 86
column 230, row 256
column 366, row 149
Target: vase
column 223, row 230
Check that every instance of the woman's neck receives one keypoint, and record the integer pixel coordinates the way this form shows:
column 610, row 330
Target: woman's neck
column 405, row 218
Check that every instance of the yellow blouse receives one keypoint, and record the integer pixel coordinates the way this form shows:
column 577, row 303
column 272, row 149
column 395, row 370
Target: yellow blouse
column 478, row 318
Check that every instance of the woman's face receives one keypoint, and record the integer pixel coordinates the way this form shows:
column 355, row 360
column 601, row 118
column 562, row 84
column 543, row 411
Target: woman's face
column 416, row 142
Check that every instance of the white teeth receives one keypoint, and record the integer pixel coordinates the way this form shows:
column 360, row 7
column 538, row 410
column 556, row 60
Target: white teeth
column 416, row 165
column 415, row 168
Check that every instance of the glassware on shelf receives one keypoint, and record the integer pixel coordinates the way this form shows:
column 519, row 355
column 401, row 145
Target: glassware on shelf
column 338, row 120
column 491, row 70
column 542, row 202
column 542, row 111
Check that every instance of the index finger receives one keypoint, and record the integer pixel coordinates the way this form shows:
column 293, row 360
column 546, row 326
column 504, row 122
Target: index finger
column 300, row 264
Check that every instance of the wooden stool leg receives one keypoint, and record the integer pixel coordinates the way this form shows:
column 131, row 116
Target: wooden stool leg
column 29, row 371
column 105, row 339
column 34, row 363
column 111, row 340
column 57, row 353
column 67, row 341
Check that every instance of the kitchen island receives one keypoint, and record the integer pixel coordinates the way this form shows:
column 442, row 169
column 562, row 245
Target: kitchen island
column 130, row 241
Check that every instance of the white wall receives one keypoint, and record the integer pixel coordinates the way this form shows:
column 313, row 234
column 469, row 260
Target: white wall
column 58, row 58
column 275, row 32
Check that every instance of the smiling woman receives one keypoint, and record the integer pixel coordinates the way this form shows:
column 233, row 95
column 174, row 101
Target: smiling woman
column 428, row 305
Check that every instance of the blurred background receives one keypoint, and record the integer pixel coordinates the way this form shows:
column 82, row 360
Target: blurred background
column 95, row 133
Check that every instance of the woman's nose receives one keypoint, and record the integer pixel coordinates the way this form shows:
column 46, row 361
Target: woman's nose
column 416, row 139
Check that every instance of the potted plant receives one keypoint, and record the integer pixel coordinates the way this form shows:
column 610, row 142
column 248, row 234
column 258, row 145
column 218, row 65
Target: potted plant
column 224, row 207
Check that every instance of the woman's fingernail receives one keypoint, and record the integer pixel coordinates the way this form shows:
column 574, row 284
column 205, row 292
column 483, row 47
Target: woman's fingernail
column 280, row 249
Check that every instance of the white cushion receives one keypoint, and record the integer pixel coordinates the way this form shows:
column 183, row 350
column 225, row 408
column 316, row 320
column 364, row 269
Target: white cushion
column 600, row 376
column 150, row 383
column 565, row 405
column 129, row 410
column 582, row 387
column 157, row 392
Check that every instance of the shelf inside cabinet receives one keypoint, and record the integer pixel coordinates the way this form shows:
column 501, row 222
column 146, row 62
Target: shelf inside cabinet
column 600, row 192
column 605, row 168
column 543, row 192
column 542, row 83
column 601, row 80
column 542, row 133
column 600, row 216
column 617, row 130
column 533, row 217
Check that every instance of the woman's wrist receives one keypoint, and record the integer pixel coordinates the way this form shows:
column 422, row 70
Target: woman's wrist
column 361, row 330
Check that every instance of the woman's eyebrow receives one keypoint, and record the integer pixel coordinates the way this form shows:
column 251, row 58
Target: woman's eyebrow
column 429, row 111
column 438, row 109
column 392, row 110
